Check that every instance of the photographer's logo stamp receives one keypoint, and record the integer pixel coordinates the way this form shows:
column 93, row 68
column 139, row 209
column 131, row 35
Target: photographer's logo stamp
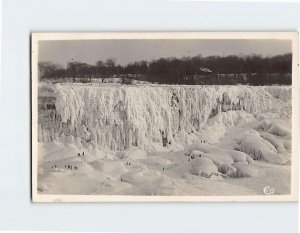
column 269, row 190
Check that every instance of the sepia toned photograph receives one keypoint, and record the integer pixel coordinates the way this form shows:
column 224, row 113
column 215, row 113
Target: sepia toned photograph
column 165, row 116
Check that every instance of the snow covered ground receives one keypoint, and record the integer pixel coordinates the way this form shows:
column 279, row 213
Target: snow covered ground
column 163, row 140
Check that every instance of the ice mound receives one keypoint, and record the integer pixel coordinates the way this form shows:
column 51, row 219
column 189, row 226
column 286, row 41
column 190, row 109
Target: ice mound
column 151, row 117
column 203, row 167
column 217, row 125
column 238, row 170
column 244, row 170
column 228, row 170
column 260, row 149
column 238, row 156
column 276, row 127
column 283, row 146
column 218, row 155
column 219, row 162
column 195, row 153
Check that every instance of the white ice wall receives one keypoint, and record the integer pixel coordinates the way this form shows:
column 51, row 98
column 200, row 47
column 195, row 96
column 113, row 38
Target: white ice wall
column 115, row 117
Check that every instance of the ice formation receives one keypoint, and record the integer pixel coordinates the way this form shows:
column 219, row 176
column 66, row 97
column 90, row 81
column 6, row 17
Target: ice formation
column 163, row 140
column 151, row 117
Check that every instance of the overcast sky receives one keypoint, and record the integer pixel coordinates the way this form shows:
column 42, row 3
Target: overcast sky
column 126, row 51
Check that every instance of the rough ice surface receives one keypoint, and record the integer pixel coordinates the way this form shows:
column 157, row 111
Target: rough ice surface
column 152, row 117
column 163, row 140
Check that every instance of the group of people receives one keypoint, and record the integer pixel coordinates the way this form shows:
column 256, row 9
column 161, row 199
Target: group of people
column 128, row 164
column 193, row 157
column 80, row 154
column 71, row 167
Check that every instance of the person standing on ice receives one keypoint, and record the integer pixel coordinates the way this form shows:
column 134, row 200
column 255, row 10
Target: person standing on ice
column 164, row 137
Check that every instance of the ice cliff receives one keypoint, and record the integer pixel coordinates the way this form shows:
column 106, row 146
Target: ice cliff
column 151, row 117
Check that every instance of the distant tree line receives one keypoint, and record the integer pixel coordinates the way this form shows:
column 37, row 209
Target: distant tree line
column 252, row 69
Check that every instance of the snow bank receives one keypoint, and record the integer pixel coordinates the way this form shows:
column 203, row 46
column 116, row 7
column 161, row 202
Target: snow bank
column 260, row 149
column 244, row 170
column 217, row 125
column 215, row 161
column 203, row 167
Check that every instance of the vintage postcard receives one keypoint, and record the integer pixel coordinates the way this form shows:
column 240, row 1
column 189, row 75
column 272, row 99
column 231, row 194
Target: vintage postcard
column 177, row 116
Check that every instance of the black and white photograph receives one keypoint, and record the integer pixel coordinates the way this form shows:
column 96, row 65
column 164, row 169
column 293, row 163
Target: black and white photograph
column 189, row 116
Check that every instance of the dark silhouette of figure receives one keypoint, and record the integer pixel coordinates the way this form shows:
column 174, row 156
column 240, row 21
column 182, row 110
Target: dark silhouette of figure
column 78, row 154
column 83, row 153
